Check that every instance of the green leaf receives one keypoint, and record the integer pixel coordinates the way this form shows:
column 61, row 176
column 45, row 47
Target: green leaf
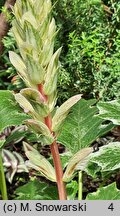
column 72, row 189
column 39, row 162
column 36, row 100
column 2, row 143
column 65, row 157
column 35, row 70
column 28, row 16
column 36, row 190
column 110, row 111
column 80, row 158
column 51, row 76
column 92, row 169
column 10, row 113
column 82, row 127
column 52, row 99
column 40, row 128
column 62, row 112
column 17, row 134
column 108, row 157
column 24, row 103
column 18, row 64
column 109, row 192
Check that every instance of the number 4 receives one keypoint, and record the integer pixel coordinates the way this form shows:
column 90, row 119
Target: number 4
column 111, row 207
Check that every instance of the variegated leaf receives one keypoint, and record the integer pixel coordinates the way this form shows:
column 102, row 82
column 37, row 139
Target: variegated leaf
column 24, row 103
column 10, row 113
column 52, row 99
column 13, row 163
column 35, row 70
column 62, row 112
column 40, row 128
column 2, row 143
column 29, row 17
column 40, row 161
column 51, row 75
column 108, row 157
column 82, row 126
column 110, row 111
column 18, row 64
column 36, row 100
column 78, row 161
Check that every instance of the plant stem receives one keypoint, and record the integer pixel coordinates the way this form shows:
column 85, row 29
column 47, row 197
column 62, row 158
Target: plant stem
column 59, row 171
column 40, row 89
column 80, row 185
column 2, row 179
column 57, row 163
column 55, row 154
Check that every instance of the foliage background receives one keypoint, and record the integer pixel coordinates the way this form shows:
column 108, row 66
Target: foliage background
column 89, row 33
column 90, row 36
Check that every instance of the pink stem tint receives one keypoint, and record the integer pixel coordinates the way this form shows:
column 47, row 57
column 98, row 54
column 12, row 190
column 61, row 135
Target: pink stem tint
column 55, row 153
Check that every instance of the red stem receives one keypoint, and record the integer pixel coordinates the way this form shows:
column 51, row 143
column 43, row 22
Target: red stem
column 40, row 89
column 55, row 154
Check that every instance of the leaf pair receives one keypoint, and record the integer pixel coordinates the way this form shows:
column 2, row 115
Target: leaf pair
column 42, row 165
column 33, row 103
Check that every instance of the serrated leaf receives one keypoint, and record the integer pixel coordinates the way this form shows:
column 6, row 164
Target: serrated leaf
column 92, row 169
column 40, row 161
column 81, row 159
column 109, row 192
column 36, row 190
column 10, row 113
column 108, row 157
column 72, row 189
column 82, row 126
column 62, row 112
column 110, row 111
